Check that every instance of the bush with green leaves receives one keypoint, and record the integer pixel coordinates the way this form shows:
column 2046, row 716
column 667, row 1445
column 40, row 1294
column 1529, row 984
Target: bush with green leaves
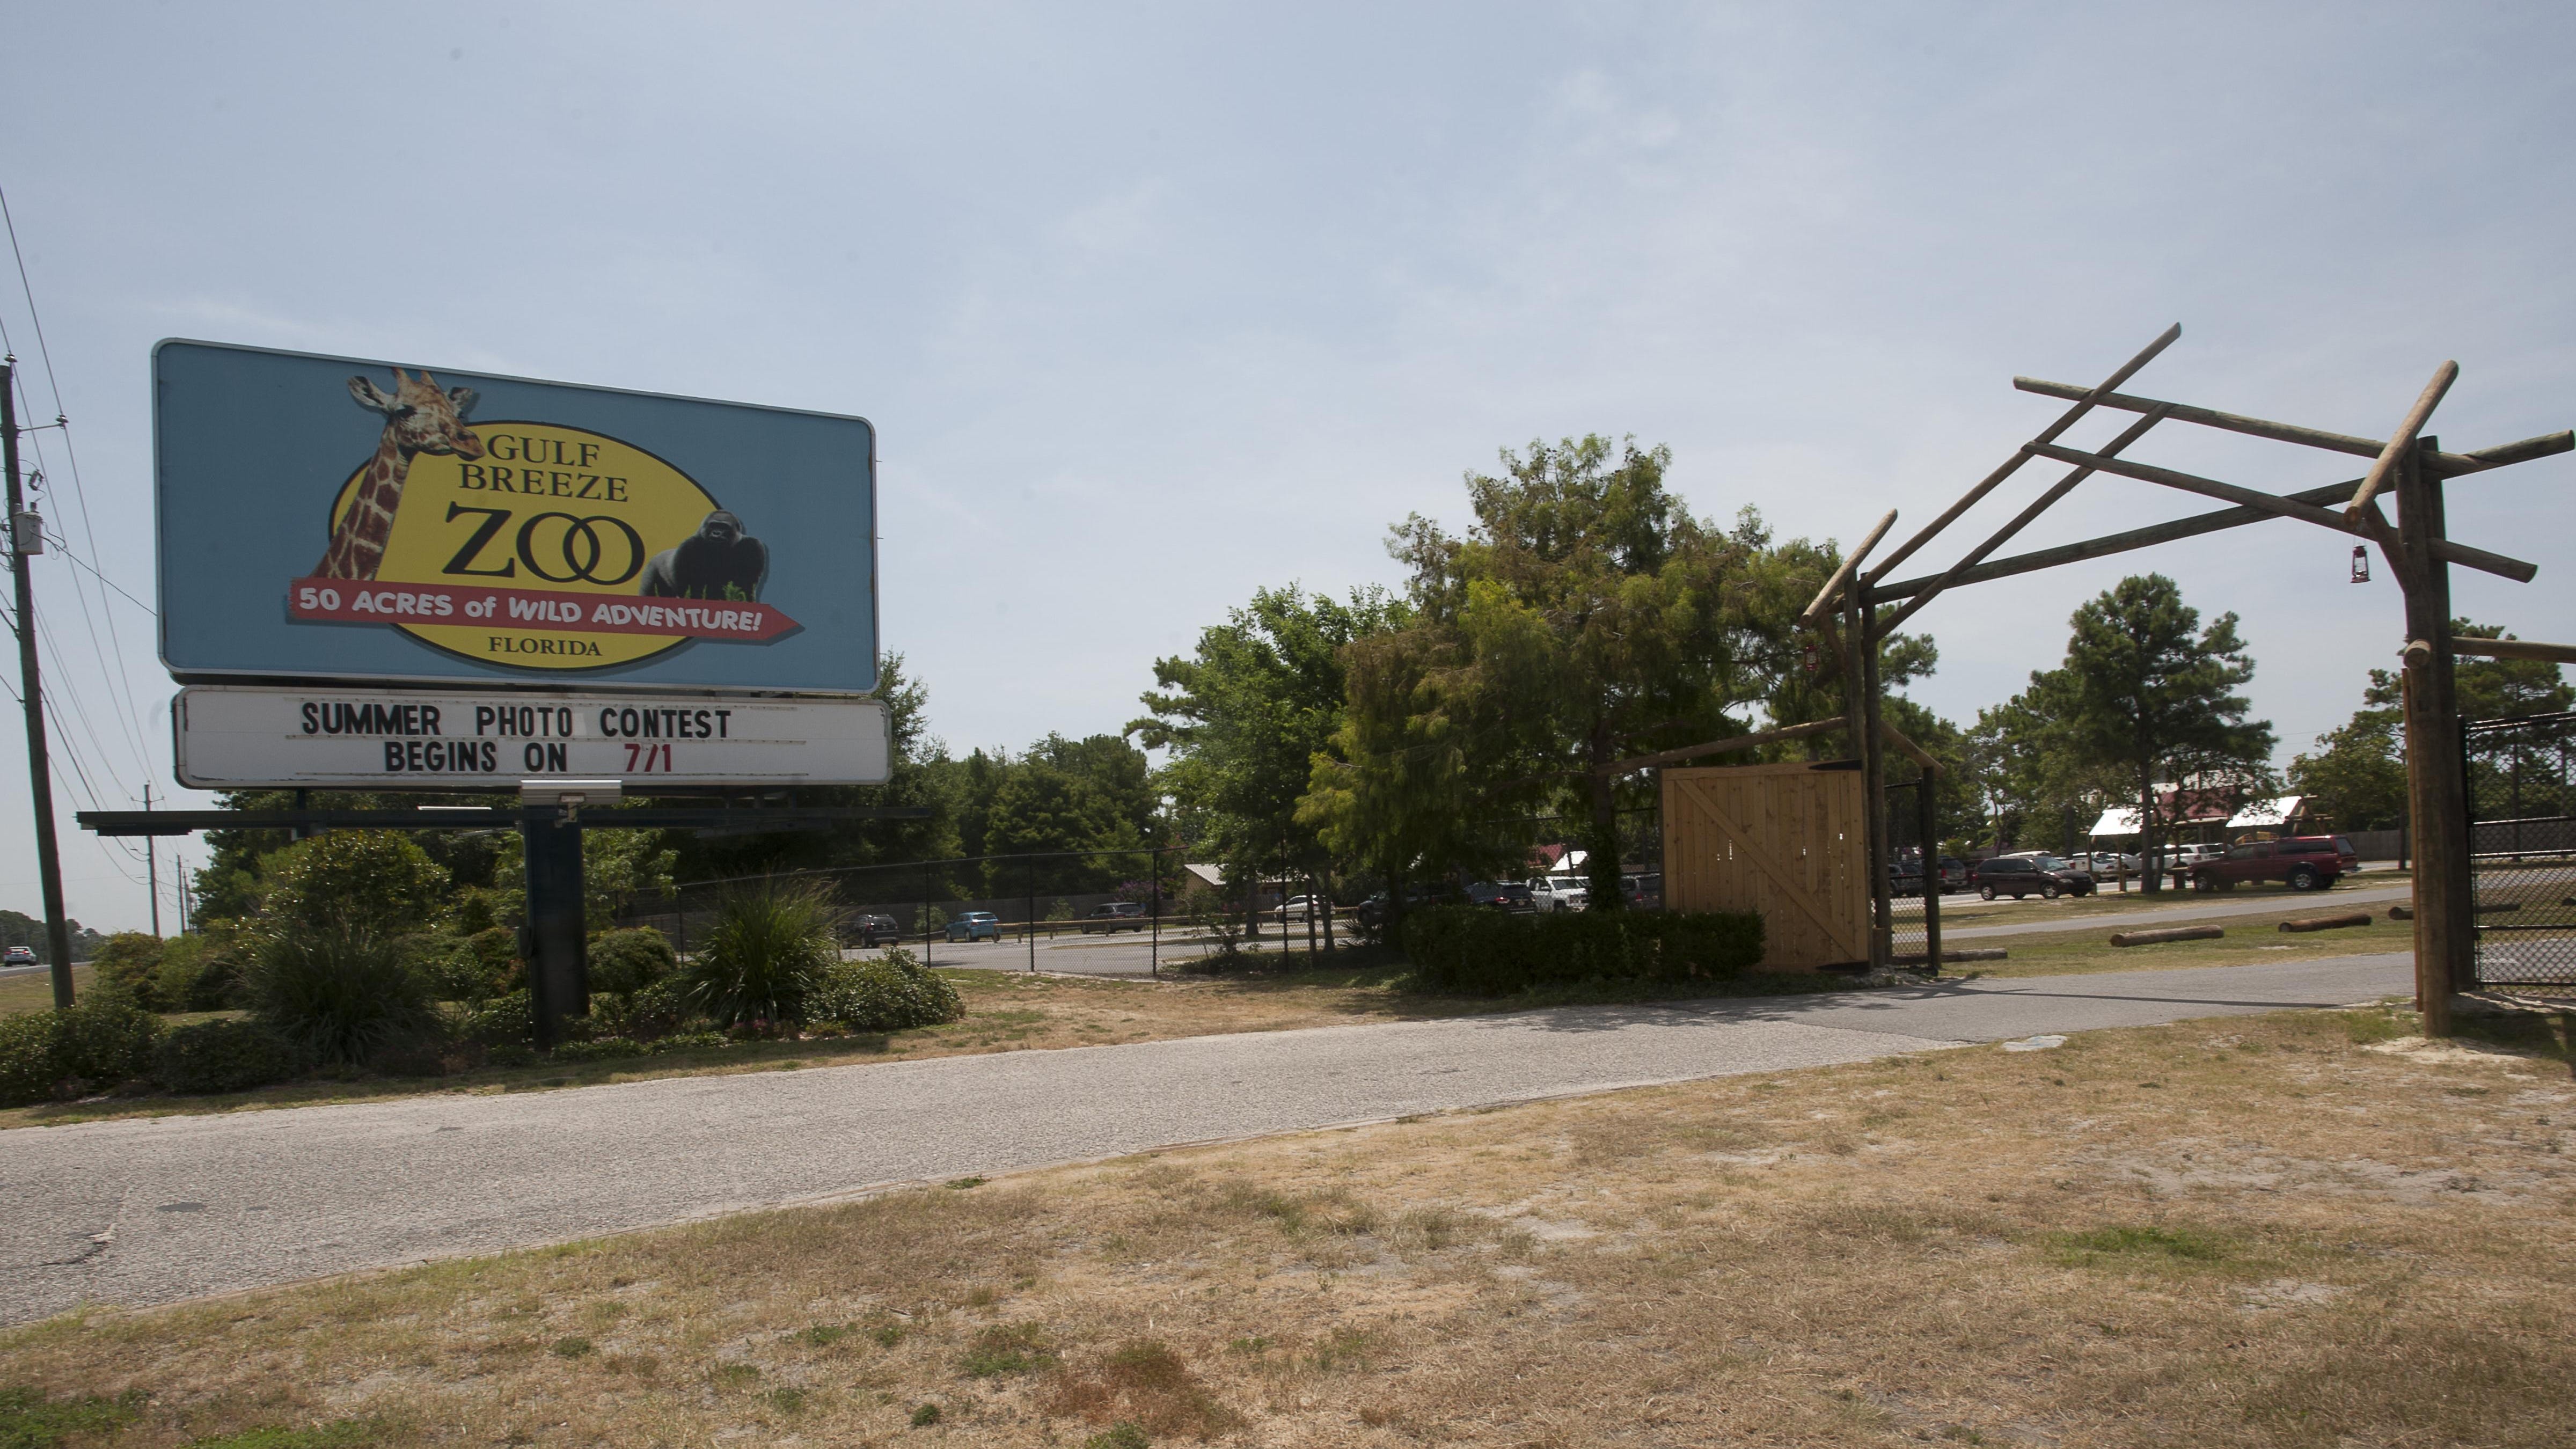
column 342, row 992
column 27, row 1074
column 607, row 1048
column 625, row 962
column 377, row 879
column 892, row 993
column 103, row 1040
column 449, row 967
column 506, row 1020
column 1480, row 951
column 224, row 1055
column 130, row 962
column 198, row 972
column 766, row 953
column 655, row 1011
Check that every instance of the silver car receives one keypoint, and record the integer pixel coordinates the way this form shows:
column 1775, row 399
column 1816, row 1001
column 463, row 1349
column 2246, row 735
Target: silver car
column 1560, row 892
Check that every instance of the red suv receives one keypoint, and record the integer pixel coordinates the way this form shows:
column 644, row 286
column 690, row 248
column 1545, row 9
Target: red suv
column 2307, row 862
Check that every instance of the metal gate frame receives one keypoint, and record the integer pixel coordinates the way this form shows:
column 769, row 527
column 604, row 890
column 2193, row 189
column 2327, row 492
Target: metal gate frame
column 2521, row 794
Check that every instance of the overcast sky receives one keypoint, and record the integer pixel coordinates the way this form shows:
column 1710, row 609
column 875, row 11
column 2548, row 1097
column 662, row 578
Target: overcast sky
column 1154, row 306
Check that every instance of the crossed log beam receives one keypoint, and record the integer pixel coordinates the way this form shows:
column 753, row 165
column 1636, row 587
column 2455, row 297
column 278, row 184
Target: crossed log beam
column 2406, row 465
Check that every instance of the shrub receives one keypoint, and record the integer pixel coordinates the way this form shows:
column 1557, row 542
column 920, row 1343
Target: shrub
column 451, row 969
column 198, row 973
column 607, row 1048
column 27, row 1074
column 378, row 877
column 130, row 962
column 104, row 1040
column 625, row 962
column 687, row 1042
column 341, row 992
column 509, row 1020
column 223, row 1056
column 658, row 1010
column 888, row 994
column 1484, row 952
column 764, row 956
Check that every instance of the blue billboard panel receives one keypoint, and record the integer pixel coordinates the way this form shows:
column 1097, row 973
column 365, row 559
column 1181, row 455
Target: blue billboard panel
column 338, row 518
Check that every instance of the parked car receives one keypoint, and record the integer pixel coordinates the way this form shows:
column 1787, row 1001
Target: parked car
column 1298, row 908
column 1560, row 892
column 1905, row 875
column 2178, row 858
column 1644, row 891
column 873, row 930
column 2108, row 862
column 1372, row 912
column 2045, row 876
column 975, row 926
column 19, row 956
column 1508, row 895
column 2306, row 862
column 1115, row 916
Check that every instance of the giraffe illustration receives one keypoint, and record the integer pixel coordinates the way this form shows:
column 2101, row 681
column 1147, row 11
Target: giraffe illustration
column 419, row 418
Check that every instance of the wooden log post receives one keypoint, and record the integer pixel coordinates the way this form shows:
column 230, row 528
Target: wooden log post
column 1873, row 764
column 1928, row 820
column 2170, row 933
column 2436, row 787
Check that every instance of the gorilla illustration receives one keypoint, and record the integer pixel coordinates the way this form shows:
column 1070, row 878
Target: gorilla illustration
column 719, row 561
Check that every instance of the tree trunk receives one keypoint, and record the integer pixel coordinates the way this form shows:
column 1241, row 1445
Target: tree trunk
column 1602, row 869
column 1324, row 874
column 2147, row 830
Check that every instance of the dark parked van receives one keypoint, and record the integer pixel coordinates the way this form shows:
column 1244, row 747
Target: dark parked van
column 2045, row 876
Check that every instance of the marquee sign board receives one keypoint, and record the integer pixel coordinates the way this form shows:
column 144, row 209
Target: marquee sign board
column 235, row 738
column 336, row 518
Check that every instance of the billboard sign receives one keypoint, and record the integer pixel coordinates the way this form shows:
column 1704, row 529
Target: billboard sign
column 337, row 518
column 236, row 737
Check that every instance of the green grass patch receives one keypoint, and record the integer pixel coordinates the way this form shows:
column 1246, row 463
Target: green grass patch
column 1005, row 1348
column 2137, row 1244
column 29, row 1420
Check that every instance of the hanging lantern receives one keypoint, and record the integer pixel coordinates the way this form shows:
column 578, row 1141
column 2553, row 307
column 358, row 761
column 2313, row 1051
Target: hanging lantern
column 1807, row 653
column 2360, row 564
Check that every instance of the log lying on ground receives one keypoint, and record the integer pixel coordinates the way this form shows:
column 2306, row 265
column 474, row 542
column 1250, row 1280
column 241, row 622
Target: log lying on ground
column 2401, row 913
column 2489, row 908
column 2327, row 923
column 2170, row 933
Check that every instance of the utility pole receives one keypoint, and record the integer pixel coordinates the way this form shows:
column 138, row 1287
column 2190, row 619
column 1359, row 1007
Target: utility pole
column 26, row 538
column 152, row 865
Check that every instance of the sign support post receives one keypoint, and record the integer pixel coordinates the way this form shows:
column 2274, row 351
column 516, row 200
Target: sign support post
column 49, row 862
column 558, row 966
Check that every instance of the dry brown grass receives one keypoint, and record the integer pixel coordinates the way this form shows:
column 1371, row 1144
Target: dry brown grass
column 2261, row 1231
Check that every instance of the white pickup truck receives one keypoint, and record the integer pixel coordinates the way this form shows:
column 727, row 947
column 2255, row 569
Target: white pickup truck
column 1560, row 892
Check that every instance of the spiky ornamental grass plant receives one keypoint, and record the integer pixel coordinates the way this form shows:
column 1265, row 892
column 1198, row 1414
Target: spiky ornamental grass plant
column 343, row 992
column 768, row 951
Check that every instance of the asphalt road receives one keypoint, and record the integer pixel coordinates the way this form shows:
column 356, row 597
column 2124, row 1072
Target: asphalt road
column 156, row 1210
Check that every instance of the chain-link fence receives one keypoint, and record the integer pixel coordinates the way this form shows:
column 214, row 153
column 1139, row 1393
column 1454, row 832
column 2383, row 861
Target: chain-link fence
column 2522, row 848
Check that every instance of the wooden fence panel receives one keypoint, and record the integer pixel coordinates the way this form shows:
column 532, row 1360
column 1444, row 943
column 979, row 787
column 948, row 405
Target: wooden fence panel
column 1782, row 840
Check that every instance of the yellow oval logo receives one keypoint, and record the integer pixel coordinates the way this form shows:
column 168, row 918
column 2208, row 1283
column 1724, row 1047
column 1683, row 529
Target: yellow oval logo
column 510, row 549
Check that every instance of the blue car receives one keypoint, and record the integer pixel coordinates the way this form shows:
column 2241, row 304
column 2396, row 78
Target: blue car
column 975, row 926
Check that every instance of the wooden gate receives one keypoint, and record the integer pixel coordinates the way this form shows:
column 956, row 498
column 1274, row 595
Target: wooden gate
column 1783, row 840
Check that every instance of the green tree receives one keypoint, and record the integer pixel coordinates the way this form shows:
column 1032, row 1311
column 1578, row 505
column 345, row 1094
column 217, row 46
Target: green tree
column 1585, row 616
column 2358, row 775
column 1244, row 718
column 2147, row 693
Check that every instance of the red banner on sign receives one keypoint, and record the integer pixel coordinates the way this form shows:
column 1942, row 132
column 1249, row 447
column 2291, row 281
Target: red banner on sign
column 360, row 601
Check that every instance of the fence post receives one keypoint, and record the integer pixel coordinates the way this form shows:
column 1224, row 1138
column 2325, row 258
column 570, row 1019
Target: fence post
column 1926, row 818
column 1029, row 903
column 1154, row 889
